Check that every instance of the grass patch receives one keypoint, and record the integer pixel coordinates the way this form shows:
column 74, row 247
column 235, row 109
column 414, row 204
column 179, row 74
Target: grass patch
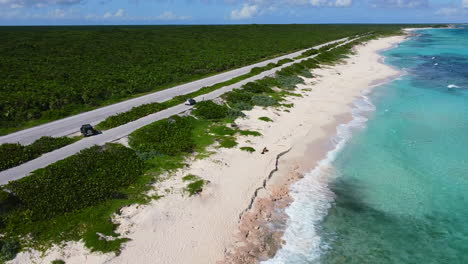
column 210, row 110
column 195, row 187
column 250, row 133
column 223, row 131
column 265, row 118
column 190, row 177
column 168, row 136
column 287, row 105
column 248, row 149
column 227, row 143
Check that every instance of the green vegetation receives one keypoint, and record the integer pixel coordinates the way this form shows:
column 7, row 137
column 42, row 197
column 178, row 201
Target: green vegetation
column 165, row 137
column 58, row 261
column 195, row 187
column 288, row 105
column 248, row 149
column 190, row 177
column 223, row 131
column 265, row 118
column 250, row 133
column 94, row 175
column 210, row 110
column 47, row 73
column 73, row 199
column 307, row 53
column 228, row 142
column 12, row 155
column 8, row 249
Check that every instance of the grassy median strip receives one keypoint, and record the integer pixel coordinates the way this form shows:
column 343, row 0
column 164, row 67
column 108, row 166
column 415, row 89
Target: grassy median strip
column 147, row 109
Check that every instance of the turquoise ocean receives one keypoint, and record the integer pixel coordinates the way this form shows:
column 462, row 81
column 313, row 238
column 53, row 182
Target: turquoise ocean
column 395, row 188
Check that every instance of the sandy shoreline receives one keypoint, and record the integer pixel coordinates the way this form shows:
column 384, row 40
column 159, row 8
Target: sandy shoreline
column 216, row 227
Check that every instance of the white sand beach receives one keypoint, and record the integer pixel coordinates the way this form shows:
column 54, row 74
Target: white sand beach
column 178, row 229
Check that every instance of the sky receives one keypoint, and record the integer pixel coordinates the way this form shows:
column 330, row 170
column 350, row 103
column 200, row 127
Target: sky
column 155, row 12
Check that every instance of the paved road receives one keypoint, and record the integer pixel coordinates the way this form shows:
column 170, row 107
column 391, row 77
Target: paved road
column 72, row 124
column 121, row 131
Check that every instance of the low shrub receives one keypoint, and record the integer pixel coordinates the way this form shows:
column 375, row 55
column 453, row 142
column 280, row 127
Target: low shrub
column 227, row 143
column 269, row 82
column 265, row 118
column 12, row 155
column 250, row 133
column 257, row 87
column 93, row 175
column 289, row 82
column 284, row 61
column 237, row 96
column 257, row 70
column 195, row 187
column 288, row 105
column 248, row 149
column 8, row 249
column 310, row 52
column 243, row 106
column 58, row 261
column 306, row 73
column 223, row 131
column 210, row 110
column 168, row 136
column 263, row 100
column 48, row 144
column 190, row 177
column 234, row 113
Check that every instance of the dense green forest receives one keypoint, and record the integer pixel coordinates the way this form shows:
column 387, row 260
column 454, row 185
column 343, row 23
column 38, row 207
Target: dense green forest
column 47, row 73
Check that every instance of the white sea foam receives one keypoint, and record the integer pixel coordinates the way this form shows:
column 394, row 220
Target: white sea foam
column 313, row 198
column 452, row 86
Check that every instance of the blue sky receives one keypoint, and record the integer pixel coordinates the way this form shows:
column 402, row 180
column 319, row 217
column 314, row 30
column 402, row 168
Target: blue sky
column 112, row 12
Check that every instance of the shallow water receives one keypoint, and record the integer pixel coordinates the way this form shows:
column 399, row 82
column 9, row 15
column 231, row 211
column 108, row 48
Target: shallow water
column 397, row 190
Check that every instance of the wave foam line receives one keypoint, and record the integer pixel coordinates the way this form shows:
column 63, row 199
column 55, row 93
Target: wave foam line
column 313, row 198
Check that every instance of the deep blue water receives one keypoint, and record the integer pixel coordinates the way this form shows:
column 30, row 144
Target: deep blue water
column 397, row 192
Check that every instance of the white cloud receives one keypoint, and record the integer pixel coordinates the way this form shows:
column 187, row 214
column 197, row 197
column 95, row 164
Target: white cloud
column 57, row 13
column 120, row 16
column 108, row 15
column 119, row 13
column 447, row 11
column 330, row 3
column 168, row 15
column 400, row 3
column 247, row 11
column 37, row 3
column 258, row 7
column 343, row 3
